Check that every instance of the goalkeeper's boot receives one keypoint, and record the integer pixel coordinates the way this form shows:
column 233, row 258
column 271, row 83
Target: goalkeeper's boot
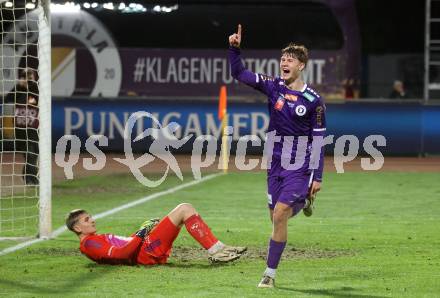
column 266, row 282
column 235, row 249
column 308, row 207
column 223, row 256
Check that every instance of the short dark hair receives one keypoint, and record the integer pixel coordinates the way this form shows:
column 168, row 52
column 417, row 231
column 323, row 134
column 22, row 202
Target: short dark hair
column 297, row 50
column 72, row 218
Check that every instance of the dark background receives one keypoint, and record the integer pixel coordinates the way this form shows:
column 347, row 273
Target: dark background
column 391, row 26
column 386, row 26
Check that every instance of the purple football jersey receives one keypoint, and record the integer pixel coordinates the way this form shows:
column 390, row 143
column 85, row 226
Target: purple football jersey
column 297, row 114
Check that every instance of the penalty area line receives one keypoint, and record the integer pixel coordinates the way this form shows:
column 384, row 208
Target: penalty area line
column 62, row 229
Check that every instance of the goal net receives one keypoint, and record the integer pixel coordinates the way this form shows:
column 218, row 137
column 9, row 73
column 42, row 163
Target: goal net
column 25, row 127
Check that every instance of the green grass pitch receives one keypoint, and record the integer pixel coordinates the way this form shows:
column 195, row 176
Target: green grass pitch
column 372, row 235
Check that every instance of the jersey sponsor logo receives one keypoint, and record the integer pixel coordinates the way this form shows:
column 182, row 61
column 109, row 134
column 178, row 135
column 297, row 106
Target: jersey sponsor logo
column 300, row 110
column 290, row 97
column 319, row 111
column 279, row 104
column 92, row 244
column 309, row 96
column 266, row 78
column 150, row 248
column 26, row 116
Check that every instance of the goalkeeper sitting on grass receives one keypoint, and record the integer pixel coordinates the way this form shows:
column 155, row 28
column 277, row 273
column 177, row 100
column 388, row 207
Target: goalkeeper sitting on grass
column 152, row 243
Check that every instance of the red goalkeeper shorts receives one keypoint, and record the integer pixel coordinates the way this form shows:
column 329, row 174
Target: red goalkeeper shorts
column 156, row 248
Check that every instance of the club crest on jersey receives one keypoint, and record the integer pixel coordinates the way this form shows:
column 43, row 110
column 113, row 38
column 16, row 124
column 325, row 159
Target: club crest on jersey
column 300, row 110
column 279, row 104
column 291, row 97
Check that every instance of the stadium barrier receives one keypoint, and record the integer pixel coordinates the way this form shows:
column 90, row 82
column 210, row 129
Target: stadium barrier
column 410, row 128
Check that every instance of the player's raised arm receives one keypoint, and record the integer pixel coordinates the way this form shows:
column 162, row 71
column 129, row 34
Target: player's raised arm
column 239, row 72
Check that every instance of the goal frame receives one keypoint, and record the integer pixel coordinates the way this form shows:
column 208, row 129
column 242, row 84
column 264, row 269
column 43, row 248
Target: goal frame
column 45, row 128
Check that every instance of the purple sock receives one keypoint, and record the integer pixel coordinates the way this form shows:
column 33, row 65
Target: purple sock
column 274, row 253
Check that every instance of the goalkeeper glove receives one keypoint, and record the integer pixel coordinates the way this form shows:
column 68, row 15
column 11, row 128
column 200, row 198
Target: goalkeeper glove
column 141, row 233
column 150, row 224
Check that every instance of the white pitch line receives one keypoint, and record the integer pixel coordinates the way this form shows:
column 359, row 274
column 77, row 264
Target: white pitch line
column 62, row 229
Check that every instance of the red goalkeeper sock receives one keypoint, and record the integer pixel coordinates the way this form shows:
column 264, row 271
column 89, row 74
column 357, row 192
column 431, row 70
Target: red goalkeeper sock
column 200, row 231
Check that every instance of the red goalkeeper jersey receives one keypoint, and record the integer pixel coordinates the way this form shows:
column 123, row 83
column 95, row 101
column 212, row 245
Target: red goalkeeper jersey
column 110, row 248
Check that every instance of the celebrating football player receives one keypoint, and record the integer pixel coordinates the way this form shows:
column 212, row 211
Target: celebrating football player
column 296, row 111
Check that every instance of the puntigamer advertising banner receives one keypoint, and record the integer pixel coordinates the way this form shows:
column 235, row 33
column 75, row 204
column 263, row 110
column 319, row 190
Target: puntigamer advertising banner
column 85, row 118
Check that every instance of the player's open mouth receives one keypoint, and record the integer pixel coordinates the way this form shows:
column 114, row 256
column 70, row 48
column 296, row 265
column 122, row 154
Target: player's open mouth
column 286, row 71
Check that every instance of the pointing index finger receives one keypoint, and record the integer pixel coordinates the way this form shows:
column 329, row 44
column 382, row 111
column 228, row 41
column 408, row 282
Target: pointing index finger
column 239, row 30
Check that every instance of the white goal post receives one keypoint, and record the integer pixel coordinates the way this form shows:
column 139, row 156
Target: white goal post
column 44, row 69
column 25, row 126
